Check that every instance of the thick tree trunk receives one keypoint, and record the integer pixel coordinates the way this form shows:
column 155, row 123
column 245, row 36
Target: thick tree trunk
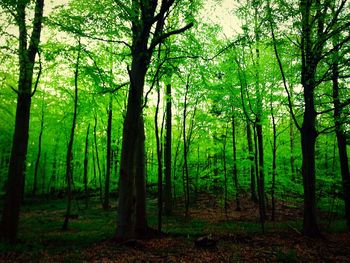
column 132, row 175
column 167, row 154
column 108, row 156
column 308, row 128
column 16, row 172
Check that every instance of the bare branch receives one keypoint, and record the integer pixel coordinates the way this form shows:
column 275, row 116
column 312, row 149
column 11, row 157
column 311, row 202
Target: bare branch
column 164, row 36
column 38, row 76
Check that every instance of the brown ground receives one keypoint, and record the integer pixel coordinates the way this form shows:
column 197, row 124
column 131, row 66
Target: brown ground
column 284, row 244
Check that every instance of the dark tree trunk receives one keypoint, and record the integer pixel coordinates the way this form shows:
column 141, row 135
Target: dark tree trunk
column 108, row 156
column 133, row 136
column 308, row 128
column 86, row 159
column 16, row 171
column 37, row 162
column 253, row 195
column 159, row 162
column 291, row 137
column 185, row 167
column 341, row 139
column 43, row 175
column 235, row 172
column 132, row 204
column 167, row 154
column 98, row 160
column 69, row 158
column 274, row 151
column 225, row 173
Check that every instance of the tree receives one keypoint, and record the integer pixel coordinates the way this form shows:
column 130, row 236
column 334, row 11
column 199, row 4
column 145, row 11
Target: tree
column 69, row 156
column 144, row 15
column 26, row 57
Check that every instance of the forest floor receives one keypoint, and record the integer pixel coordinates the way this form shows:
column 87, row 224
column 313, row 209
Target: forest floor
column 238, row 235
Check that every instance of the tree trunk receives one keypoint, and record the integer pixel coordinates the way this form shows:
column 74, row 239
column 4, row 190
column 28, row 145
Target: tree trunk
column 69, row 158
column 225, row 173
column 86, row 159
column 159, row 162
column 36, row 169
column 253, row 195
column 235, row 172
column 108, row 156
column 274, row 150
column 167, row 154
column 308, row 128
column 98, row 160
column 185, row 168
column 341, row 140
column 131, row 174
column 16, row 171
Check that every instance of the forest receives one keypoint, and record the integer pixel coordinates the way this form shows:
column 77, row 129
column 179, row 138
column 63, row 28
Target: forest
column 174, row 131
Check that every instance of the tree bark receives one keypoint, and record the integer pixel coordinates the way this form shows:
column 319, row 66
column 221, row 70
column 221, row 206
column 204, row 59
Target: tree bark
column 132, row 220
column 37, row 162
column 253, row 195
column 16, row 172
column 108, row 156
column 308, row 128
column 341, row 140
column 86, row 159
column 69, row 158
column 98, row 160
column 167, row 154
column 185, row 167
column 235, row 172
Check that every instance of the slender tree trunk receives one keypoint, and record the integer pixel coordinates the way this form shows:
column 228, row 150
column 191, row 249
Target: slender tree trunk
column 159, row 162
column 168, row 203
column 69, row 170
column 16, row 171
column 292, row 154
column 43, row 175
column 108, row 156
column 225, row 173
column 274, row 150
column 98, row 160
column 36, row 169
column 341, row 140
column 235, row 172
column 185, row 168
column 253, row 195
column 86, row 159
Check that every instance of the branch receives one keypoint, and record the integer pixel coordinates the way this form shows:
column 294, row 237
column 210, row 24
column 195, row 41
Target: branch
column 341, row 105
column 16, row 91
column 164, row 36
column 38, row 76
column 118, row 87
column 84, row 34
column 290, row 106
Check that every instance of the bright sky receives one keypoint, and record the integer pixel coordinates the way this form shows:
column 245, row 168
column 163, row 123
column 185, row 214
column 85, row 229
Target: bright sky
column 214, row 12
column 223, row 14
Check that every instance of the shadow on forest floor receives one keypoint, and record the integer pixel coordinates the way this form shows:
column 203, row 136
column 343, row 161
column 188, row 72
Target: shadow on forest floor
column 238, row 235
